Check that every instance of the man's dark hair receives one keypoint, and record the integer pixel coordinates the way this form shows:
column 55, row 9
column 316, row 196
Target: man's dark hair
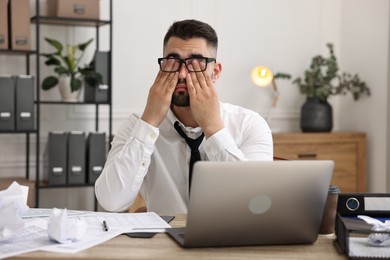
column 188, row 29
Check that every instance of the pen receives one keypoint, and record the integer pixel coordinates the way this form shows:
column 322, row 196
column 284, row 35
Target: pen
column 105, row 226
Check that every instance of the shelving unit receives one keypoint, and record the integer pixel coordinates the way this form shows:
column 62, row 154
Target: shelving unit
column 39, row 20
column 27, row 54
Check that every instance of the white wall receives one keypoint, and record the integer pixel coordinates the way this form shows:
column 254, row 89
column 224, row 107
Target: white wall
column 365, row 50
column 282, row 34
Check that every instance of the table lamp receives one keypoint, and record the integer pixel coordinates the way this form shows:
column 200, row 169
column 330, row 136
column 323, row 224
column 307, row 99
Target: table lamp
column 262, row 76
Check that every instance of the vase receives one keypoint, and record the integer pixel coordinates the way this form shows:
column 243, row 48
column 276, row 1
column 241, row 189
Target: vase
column 66, row 92
column 316, row 116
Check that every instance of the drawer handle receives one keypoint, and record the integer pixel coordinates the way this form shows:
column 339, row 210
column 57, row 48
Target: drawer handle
column 307, row 155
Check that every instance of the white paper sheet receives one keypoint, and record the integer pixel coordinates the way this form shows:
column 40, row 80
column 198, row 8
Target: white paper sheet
column 45, row 213
column 36, row 237
column 31, row 238
column 118, row 223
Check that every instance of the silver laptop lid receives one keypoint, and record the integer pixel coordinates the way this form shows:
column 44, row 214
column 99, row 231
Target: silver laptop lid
column 256, row 203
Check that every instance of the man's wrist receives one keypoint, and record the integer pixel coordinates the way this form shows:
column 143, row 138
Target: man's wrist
column 211, row 130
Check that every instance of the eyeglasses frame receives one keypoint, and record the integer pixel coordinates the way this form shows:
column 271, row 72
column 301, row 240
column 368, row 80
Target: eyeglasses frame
column 183, row 61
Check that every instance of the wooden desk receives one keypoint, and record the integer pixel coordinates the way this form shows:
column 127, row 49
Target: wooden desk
column 163, row 247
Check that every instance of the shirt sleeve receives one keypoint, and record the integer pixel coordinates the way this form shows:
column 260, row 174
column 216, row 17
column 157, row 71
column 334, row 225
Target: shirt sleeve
column 126, row 165
column 255, row 143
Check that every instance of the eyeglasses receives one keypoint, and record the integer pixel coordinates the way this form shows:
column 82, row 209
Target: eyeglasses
column 176, row 64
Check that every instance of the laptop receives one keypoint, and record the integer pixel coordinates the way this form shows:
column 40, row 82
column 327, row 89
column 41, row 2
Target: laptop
column 255, row 203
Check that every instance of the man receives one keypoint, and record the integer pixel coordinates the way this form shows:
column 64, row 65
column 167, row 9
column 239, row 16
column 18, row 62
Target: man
column 149, row 154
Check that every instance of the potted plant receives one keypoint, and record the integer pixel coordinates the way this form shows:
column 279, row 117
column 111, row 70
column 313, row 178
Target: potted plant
column 320, row 81
column 69, row 73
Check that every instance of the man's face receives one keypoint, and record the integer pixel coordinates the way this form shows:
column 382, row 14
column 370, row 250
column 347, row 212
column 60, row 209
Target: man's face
column 183, row 49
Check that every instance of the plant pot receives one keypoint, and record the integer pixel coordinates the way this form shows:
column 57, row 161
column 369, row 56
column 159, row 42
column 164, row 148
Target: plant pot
column 66, row 93
column 316, row 116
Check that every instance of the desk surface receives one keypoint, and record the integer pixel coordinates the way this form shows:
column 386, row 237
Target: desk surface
column 162, row 246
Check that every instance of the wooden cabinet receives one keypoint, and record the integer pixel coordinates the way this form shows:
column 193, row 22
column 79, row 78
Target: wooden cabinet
column 346, row 149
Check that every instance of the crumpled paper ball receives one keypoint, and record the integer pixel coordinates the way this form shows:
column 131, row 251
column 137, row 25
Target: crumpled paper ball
column 63, row 229
column 13, row 203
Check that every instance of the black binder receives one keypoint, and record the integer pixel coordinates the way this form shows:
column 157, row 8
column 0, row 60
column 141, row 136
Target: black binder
column 57, row 147
column 7, row 103
column 76, row 158
column 96, row 155
column 99, row 94
column 24, row 115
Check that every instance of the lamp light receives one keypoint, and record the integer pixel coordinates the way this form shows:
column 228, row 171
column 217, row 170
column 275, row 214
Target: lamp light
column 262, row 76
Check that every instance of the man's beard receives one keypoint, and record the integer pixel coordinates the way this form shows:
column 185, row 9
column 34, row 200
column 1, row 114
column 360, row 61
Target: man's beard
column 181, row 99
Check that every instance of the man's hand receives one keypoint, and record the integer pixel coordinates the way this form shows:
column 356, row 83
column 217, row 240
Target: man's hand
column 160, row 96
column 204, row 101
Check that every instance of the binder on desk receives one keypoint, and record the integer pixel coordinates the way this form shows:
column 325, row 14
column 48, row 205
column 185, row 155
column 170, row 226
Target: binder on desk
column 24, row 115
column 96, row 155
column 3, row 25
column 76, row 157
column 102, row 65
column 57, row 147
column 7, row 103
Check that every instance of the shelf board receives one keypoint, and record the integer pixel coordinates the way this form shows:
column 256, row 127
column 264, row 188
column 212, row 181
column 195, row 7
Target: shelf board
column 65, row 21
column 69, row 103
column 18, row 132
column 17, row 52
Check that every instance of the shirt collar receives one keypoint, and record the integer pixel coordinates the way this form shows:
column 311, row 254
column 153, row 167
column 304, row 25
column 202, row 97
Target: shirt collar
column 191, row 132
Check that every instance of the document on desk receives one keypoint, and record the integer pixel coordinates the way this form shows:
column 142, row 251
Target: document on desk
column 117, row 224
column 130, row 222
column 16, row 245
column 34, row 236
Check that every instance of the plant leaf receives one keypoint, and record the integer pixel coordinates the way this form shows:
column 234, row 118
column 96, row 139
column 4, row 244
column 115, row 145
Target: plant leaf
column 53, row 61
column 49, row 82
column 61, row 70
column 49, row 55
column 56, row 44
column 75, row 84
column 83, row 46
column 92, row 77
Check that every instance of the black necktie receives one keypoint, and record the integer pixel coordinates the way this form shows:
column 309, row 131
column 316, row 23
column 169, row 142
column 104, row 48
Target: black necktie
column 193, row 144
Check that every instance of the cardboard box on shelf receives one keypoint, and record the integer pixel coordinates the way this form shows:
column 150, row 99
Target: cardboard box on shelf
column 20, row 31
column 88, row 9
column 3, row 25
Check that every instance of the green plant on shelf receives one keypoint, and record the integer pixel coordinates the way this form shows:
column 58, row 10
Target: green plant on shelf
column 66, row 62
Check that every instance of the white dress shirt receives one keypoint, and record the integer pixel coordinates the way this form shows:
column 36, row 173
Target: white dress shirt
column 155, row 161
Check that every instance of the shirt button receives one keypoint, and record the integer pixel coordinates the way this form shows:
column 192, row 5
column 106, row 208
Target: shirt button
column 153, row 136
